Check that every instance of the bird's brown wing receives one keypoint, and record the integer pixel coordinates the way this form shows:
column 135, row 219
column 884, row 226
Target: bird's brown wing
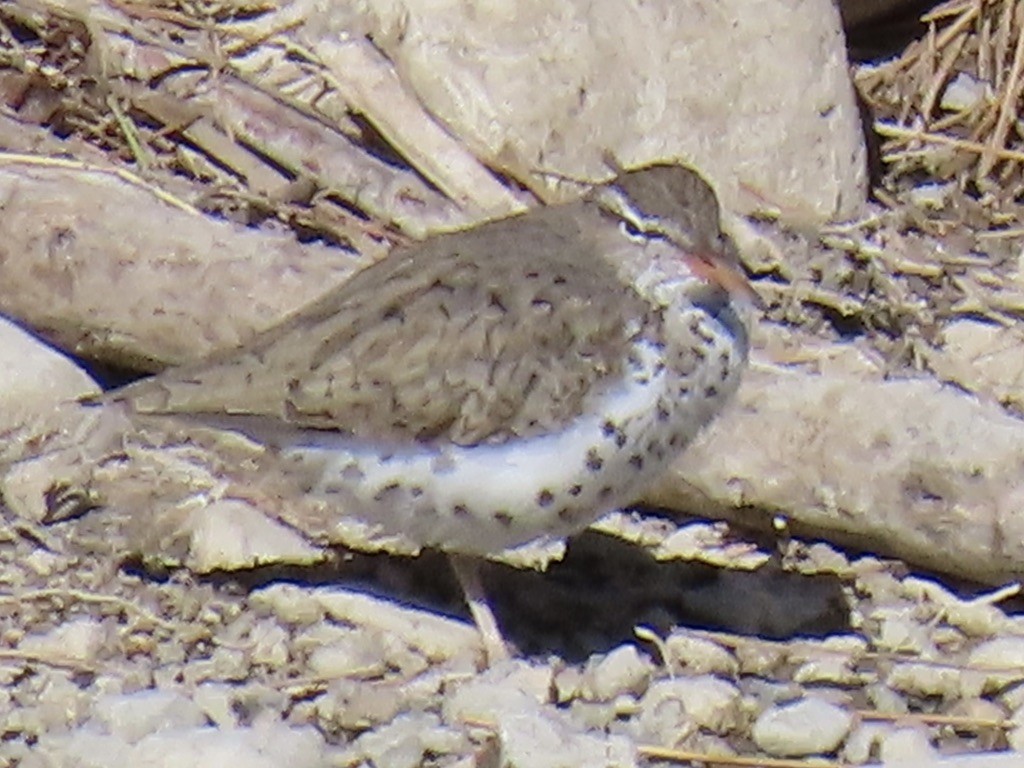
column 431, row 343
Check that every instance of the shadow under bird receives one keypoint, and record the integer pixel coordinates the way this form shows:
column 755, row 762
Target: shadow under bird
column 494, row 386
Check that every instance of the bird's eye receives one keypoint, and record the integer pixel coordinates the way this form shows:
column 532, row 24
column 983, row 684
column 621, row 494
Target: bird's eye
column 631, row 230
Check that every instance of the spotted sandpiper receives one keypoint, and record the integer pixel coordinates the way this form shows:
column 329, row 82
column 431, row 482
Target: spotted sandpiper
column 497, row 385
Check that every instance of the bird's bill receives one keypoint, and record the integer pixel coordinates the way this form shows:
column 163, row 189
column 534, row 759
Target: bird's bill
column 718, row 271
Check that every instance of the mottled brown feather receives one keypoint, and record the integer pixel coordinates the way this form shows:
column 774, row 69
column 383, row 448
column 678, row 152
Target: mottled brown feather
column 474, row 336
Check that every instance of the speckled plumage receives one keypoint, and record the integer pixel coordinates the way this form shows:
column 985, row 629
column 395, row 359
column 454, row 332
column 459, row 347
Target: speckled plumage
column 493, row 386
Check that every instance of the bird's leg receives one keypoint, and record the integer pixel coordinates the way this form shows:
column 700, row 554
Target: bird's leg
column 467, row 571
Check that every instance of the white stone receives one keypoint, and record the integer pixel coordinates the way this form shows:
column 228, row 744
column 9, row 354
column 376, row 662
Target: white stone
column 934, row 196
column 709, row 702
column 699, row 656
column 531, row 733
column 405, row 741
column 923, row 679
column 862, row 742
column 906, row 468
column 77, row 640
column 359, row 654
column 270, row 644
column 229, row 534
column 623, row 670
column 761, row 101
column 1004, row 656
column 134, row 715
column 264, row 747
column 962, row 93
column 34, row 377
column 216, row 700
column 906, row 746
column 83, row 748
column 289, row 603
column 805, row 727
column 436, row 637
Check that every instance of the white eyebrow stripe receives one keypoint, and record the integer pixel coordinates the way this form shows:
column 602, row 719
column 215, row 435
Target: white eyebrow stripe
column 614, row 200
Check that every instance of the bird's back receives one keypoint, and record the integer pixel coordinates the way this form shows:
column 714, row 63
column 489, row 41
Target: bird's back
column 456, row 339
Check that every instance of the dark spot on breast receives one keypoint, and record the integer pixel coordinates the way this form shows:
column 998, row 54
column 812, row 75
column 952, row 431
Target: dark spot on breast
column 663, row 412
column 560, row 280
column 575, row 490
column 684, row 390
column 460, row 510
column 697, row 329
column 605, row 493
column 565, row 514
column 545, row 498
column 611, row 429
column 594, row 460
column 711, row 391
column 636, row 461
column 416, row 491
column 385, row 490
column 503, row 518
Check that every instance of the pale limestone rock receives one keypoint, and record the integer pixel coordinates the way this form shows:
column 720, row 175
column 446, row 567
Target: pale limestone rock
column 760, row 101
column 806, row 727
column 907, row 746
column 530, row 733
column 34, row 377
column 1004, row 656
column 132, row 716
column 622, row 671
column 908, row 468
column 229, row 534
column 710, row 703
column 984, row 358
column 76, row 641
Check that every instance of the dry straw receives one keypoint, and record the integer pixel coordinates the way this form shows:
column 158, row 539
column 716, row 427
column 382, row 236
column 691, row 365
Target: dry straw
column 949, row 106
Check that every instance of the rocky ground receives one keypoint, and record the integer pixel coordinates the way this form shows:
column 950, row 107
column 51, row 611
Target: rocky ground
column 626, row 660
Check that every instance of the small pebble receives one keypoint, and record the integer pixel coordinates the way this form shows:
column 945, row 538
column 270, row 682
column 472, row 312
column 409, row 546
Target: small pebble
column 1002, row 661
column 907, row 746
column 133, row 716
column 623, row 670
column 806, row 727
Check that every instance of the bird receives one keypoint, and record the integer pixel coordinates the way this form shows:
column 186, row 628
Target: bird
column 498, row 385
